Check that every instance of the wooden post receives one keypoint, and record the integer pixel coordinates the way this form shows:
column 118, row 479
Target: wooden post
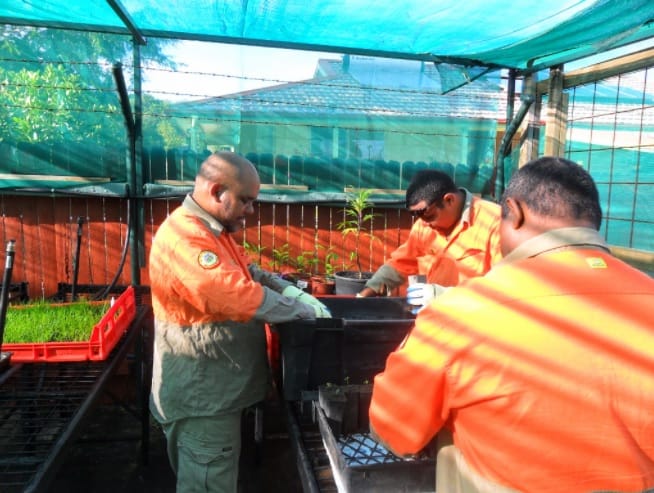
column 531, row 134
column 557, row 113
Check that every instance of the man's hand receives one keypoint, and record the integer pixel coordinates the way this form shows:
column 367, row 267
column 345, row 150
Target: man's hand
column 366, row 293
column 369, row 292
column 321, row 310
column 420, row 294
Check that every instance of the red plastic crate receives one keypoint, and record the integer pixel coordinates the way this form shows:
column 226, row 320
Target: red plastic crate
column 104, row 337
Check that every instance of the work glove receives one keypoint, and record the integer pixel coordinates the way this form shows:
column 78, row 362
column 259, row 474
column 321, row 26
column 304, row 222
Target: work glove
column 321, row 310
column 419, row 295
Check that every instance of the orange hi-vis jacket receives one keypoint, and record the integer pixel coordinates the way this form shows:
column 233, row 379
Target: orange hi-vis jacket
column 210, row 310
column 543, row 370
column 469, row 251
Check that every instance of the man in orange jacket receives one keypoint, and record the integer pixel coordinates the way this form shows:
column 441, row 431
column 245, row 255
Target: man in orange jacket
column 543, row 369
column 455, row 237
column 210, row 308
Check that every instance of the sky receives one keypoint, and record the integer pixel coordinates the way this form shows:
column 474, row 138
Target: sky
column 213, row 69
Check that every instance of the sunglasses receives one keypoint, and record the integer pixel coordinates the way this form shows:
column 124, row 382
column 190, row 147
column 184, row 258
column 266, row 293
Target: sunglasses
column 421, row 212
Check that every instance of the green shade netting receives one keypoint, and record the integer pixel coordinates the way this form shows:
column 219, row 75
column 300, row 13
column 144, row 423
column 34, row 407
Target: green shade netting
column 499, row 33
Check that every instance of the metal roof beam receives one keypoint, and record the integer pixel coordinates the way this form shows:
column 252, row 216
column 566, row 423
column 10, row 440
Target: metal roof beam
column 127, row 20
column 71, row 26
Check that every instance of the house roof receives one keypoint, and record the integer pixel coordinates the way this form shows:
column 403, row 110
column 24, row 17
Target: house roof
column 356, row 86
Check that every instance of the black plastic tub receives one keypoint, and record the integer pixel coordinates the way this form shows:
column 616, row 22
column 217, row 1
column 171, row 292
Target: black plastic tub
column 351, row 348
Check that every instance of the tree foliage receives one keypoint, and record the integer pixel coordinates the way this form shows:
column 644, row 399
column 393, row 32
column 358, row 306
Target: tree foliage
column 57, row 87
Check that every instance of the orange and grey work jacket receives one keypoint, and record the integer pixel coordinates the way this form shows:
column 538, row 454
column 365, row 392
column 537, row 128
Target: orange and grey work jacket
column 210, row 309
column 543, row 369
column 469, row 251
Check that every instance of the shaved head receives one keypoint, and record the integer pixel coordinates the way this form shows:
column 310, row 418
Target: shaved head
column 226, row 186
column 223, row 167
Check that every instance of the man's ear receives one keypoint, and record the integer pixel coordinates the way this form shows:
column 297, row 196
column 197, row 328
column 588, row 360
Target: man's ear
column 216, row 189
column 448, row 198
column 516, row 215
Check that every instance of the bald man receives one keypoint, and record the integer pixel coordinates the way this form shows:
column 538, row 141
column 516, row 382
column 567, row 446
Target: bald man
column 210, row 308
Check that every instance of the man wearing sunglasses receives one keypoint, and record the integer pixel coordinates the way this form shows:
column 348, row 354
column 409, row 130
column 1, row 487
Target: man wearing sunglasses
column 455, row 237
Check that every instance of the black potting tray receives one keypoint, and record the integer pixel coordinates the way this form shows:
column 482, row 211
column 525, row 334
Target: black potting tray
column 360, row 464
column 352, row 347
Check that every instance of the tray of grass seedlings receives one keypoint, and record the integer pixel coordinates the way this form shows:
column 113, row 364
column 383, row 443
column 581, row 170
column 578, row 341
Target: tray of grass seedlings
column 79, row 331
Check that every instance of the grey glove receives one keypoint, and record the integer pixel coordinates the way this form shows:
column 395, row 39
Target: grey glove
column 321, row 310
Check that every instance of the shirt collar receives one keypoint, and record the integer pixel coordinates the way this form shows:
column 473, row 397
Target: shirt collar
column 467, row 207
column 211, row 222
column 554, row 239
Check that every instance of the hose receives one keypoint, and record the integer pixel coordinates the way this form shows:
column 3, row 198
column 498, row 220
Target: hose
column 73, row 290
column 105, row 292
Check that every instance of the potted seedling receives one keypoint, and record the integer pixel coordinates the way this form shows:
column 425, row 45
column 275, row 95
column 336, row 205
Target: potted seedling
column 281, row 259
column 305, row 265
column 324, row 283
column 296, row 269
column 255, row 252
column 357, row 217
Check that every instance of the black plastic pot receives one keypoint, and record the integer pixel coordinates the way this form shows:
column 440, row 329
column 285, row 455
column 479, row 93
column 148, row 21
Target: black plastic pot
column 350, row 281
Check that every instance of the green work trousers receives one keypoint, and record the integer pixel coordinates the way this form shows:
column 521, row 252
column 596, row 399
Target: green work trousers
column 204, row 452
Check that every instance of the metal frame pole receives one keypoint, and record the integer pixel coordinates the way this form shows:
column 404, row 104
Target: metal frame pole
column 4, row 298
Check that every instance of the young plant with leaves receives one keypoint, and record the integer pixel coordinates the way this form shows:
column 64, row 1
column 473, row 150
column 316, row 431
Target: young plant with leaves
column 357, row 215
column 281, row 258
column 255, row 252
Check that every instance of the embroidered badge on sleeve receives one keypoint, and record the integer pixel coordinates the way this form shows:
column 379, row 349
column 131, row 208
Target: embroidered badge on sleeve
column 596, row 263
column 207, row 259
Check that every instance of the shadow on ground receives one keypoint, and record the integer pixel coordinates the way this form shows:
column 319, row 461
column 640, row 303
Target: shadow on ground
column 107, row 457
